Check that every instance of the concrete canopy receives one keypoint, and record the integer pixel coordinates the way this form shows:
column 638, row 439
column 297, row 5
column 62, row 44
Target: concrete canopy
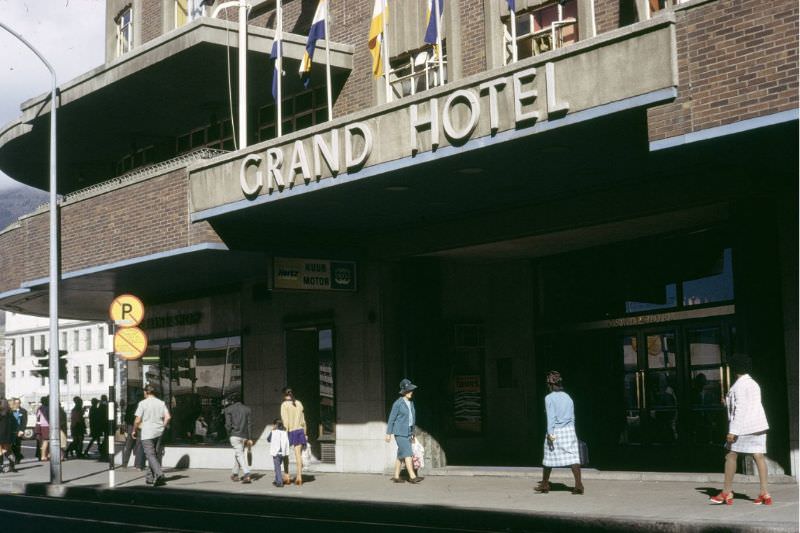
column 185, row 272
column 160, row 90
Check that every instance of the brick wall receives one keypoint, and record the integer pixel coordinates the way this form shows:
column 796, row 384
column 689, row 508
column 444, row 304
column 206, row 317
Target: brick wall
column 138, row 220
column 473, row 37
column 152, row 20
column 736, row 60
column 606, row 15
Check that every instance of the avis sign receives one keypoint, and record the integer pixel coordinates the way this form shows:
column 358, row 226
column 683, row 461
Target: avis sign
column 127, row 312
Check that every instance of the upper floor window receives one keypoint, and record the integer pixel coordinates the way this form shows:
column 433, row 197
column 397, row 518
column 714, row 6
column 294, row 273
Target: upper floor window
column 541, row 29
column 299, row 111
column 418, row 71
column 124, row 31
column 13, row 349
column 188, row 10
column 88, row 338
column 101, row 340
column 218, row 135
column 136, row 159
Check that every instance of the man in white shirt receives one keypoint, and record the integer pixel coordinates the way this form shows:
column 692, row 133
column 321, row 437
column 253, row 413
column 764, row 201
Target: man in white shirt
column 152, row 416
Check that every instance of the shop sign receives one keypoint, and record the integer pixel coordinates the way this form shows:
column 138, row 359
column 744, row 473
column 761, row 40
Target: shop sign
column 169, row 321
column 314, row 274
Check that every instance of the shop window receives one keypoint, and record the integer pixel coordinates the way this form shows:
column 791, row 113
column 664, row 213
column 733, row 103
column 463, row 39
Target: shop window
column 300, row 111
column 418, row 71
column 194, row 377
column 542, row 29
column 124, row 22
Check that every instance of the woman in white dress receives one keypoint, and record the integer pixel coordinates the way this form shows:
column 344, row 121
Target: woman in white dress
column 747, row 430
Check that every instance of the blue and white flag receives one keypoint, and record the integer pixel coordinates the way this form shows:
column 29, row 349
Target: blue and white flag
column 316, row 32
column 512, row 5
column 433, row 22
column 278, row 69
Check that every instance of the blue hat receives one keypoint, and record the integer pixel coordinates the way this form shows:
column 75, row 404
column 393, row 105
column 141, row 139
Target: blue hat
column 406, row 386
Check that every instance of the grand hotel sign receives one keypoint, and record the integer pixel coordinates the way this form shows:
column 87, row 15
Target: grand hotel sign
column 631, row 67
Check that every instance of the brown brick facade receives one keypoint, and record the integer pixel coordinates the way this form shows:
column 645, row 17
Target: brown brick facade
column 138, row 220
column 152, row 20
column 736, row 61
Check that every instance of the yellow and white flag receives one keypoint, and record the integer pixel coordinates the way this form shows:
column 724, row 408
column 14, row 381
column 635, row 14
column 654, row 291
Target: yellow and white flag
column 380, row 14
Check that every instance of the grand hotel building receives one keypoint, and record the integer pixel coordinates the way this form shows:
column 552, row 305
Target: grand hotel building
column 620, row 204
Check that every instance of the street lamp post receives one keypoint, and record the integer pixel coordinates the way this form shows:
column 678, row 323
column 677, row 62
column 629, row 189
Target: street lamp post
column 55, row 404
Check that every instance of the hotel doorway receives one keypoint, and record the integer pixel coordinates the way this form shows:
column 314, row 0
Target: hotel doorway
column 674, row 381
column 310, row 371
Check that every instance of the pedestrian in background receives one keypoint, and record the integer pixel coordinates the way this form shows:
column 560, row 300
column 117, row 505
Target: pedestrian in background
column 21, row 416
column 95, row 426
column 8, row 430
column 239, row 428
column 747, row 430
column 43, row 429
column 279, row 448
column 133, row 442
column 561, row 441
column 77, row 427
column 402, row 420
column 294, row 419
column 152, row 416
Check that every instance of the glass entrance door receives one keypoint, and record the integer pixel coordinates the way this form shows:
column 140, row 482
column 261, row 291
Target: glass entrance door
column 651, row 385
column 674, row 381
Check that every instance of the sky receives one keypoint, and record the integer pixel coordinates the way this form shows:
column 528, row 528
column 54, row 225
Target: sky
column 70, row 34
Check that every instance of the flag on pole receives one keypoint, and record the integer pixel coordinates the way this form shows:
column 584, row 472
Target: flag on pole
column 376, row 36
column 276, row 57
column 432, row 33
column 316, row 32
column 512, row 5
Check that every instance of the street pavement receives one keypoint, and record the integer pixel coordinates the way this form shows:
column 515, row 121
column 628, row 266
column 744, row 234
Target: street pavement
column 455, row 499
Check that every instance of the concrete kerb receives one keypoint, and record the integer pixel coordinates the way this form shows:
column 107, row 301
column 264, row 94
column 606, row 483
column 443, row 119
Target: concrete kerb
column 432, row 515
column 602, row 475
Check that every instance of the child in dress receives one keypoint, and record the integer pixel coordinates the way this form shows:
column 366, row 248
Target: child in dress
column 279, row 448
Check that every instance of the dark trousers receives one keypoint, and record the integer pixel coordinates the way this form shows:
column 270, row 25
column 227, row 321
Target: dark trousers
column 16, row 449
column 153, row 450
column 77, row 443
column 277, row 461
column 133, row 445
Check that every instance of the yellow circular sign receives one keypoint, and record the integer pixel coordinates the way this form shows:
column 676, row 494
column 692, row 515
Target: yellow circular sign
column 130, row 343
column 126, row 310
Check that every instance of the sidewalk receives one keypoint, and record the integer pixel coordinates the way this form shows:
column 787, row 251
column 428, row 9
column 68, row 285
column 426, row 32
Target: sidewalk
column 636, row 503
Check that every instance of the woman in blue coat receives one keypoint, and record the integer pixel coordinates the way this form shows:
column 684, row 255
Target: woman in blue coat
column 401, row 424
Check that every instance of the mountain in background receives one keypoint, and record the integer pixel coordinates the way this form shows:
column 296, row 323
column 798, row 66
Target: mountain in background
column 18, row 201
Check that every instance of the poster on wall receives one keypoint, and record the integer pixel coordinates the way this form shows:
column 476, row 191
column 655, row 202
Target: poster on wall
column 467, row 410
column 314, row 274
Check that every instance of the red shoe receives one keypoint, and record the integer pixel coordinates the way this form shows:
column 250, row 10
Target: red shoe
column 763, row 499
column 722, row 497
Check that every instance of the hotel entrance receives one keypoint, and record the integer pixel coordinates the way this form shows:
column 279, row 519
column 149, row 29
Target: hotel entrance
column 675, row 378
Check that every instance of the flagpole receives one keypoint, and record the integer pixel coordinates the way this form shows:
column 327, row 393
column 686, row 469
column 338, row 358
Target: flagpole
column 328, row 62
column 279, row 59
column 438, row 10
column 514, row 54
column 385, row 50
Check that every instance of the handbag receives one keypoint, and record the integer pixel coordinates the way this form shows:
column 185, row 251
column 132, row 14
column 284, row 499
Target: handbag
column 583, row 452
column 418, row 455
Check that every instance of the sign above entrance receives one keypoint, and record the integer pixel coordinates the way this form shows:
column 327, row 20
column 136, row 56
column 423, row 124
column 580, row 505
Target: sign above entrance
column 130, row 343
column 314, row 274
column 126, row 310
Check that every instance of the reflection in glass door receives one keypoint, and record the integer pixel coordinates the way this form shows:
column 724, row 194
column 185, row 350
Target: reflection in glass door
column 710, row 381
column 650, row 382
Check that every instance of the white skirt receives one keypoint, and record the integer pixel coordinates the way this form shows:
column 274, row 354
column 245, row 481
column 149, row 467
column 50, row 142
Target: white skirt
column 753, row 443
column 565, row 448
